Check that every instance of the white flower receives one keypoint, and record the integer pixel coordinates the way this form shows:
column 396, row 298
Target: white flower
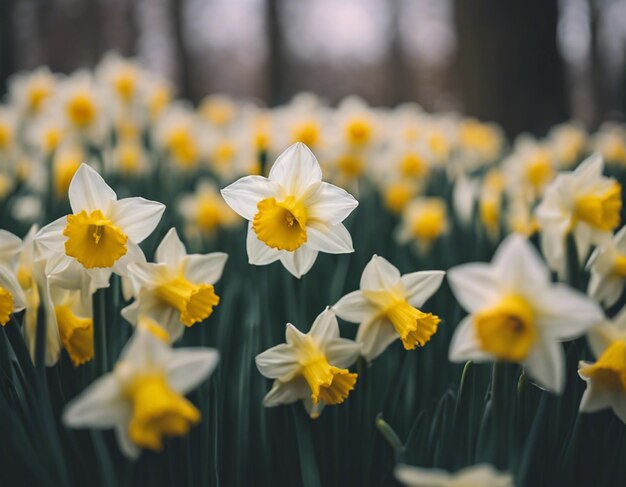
column 12, row 298
column 387, row 305
column 517, row 314
column 143, row 397
column 481, row 475
column 103, row 232
column 293, row 215
column 29, row 92
column 311, row 367
column 607, row 265
column 606, row 378
column 177, row 291
column 583, row 203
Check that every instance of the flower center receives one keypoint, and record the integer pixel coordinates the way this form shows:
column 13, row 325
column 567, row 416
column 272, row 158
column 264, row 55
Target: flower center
column 76, row 334
column 610, row 370
column 350, row 165
column 619, row 266
column 129, row 155
column 37, row 95
column 429, row 222
column 93, row 240
column 6, row 306
column 183, row 147
column 224, row 153
column 158, row 411
column 307, row 132
column 412, row 165
column 208, row 216
column 539, row 171
column 195, row 302
column 414, row 326
column 281, row 225
column 81, row 110
column 601, row 211
column 507, row 330
column 124, row 85
column 358, row 131
column 397, row 195
column 328, row 384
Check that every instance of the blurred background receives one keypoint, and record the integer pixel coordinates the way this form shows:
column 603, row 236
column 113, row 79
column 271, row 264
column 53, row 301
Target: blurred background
column 526, row 64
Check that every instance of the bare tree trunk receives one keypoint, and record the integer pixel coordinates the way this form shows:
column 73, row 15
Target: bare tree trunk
column 508, row 67
column 182, row 55
column 276, row 65
column 7, row 36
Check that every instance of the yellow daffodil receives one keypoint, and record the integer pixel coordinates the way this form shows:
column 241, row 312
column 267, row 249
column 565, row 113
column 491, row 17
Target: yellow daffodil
column 293, row 214
column 517, row 314
column 143, row 398
column 177, row 291
column 311, row 367
column 387, row 307
column 12, row 298
column 607, row 266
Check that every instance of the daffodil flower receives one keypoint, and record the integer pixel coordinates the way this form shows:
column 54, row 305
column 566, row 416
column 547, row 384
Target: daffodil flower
column 12, row 298
column 583, row 203
column 143, row 398
column 293, row 215
column 177, row 291
column 387, row 307
column 517, row 314
column 311, row 367
column 606, row 377
column 481, row 475
column 103, row 232
column 607, row 266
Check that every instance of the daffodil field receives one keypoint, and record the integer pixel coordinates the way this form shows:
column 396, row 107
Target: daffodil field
column 315, row 295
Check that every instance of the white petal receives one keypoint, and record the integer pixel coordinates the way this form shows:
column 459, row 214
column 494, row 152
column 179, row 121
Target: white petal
column 171, row 250
column 133, row 254
column 279, row 362
column 565, row 313
column 137, row 217
column 375, row 336
column 421, row 285
column 89, row 192
column 474, row 285
column 101, row 405
column 619, row 405
column 313, row 410
column 342, row 352
column 379, row 273
column 354, row 307
column 546, row 365
column 329, row 204
column 332, row 240
column 325, row 327
column 286, row 392
column 128, row 448
column 300, row 261
column 258, row 252
column 244, row 194
column 421, row 477
column 295, row 337
column 205, row 268
column 296, row 169
column 9, row 282
column 517, row 263
column 51, row 236
column 594, row 399
column 464, row 344
column 188, row 367
column 9, row 247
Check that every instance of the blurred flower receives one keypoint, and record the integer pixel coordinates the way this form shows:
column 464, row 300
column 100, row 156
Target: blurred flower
column 424, row 220
column 606, row 378
column 583, row 203
column 311, row 367
column 386, row 307
column 12, row 298
column 30, row 91
column 610, row 142
column 293, row 215
column 143, row 397
column 176, row 133
column 517, row 314
column 122, row 78
column 177, row 291
column 481, row 475
column 607, row 265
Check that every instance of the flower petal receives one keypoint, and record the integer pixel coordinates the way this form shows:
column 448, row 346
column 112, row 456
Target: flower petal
column 474, row 285
column 375, row 336
column 379, row 273
column 188, row 367
column 300, row 261
column 258, row 252
column 329, row 204
column 244, row 194
column 354, row 307
column 286, row 392
column 546, row 365
column 333, row 240
column 9, row 282
column 205, row 268
column 421, row 285
column 325, row 327
column 279, row 362
column 9, row 247
column 342, row 352
column 421, row 477
column 101, row 405
column 464, row 344
column 171, row 250
column 137, row 217
column 518, row 264
column 296, row 169
column 89, row 192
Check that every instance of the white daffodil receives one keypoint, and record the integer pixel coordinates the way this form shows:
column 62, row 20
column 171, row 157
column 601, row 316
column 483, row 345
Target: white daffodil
column 311, row 367
column 386, row 307
column 607, row 265
column 103, row 232
column 29, row 92
column 583, row 203
column 293, row 215
column 606, row 378
column 12, row 298
column 517, row 314
column 177, row 291
column 481, row 475
column 143, row 398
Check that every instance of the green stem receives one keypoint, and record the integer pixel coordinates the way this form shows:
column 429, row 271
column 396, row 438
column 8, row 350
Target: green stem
column 99, row 332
